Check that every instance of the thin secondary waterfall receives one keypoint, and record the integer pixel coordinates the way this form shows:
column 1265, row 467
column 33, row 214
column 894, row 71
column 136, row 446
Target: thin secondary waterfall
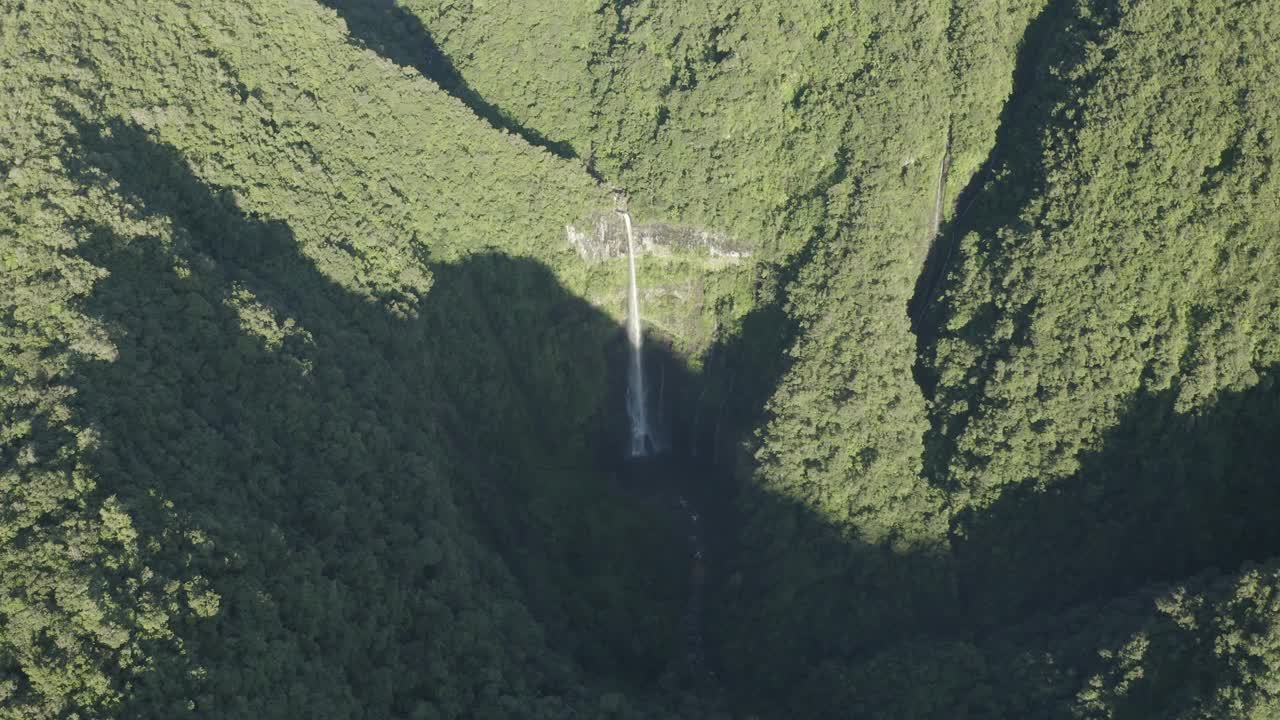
column 942, row 186
column 637, row 408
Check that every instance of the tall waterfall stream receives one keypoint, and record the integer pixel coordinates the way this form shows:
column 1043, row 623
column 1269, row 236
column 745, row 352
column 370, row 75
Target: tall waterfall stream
column 643, row 444
column 637, row 404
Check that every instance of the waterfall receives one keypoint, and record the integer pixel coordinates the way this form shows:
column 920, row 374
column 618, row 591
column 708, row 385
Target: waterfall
column 637, row 410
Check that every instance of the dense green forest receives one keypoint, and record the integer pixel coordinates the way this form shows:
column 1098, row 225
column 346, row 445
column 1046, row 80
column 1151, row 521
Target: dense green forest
column 309, row 408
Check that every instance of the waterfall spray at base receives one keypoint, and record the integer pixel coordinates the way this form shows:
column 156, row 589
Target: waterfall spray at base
column 637, row 408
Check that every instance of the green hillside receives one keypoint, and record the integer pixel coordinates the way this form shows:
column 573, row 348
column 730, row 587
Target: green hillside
column 312, row 405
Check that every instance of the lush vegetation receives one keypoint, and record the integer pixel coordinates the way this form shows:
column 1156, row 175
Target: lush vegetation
column 308, row 409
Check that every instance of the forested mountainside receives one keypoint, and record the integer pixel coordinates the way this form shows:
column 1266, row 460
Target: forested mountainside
column 309, row 408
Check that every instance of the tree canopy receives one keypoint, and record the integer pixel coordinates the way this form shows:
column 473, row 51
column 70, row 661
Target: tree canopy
column 309, row 408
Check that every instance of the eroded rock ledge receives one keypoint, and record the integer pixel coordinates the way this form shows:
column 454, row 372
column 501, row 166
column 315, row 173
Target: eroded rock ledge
column 602, row 236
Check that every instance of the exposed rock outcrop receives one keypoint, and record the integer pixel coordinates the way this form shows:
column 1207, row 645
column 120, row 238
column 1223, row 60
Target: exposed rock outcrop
column 602, row 236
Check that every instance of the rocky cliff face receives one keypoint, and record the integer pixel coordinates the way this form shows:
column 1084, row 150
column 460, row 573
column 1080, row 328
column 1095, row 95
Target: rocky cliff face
column 602, row 236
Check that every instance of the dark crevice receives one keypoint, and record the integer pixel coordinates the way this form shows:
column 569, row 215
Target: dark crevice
column 399, row 36
column 939, row 253
column 1019, row 120
column 994, row 203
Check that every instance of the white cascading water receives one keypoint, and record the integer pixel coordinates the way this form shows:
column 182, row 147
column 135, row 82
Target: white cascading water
column 637, row 410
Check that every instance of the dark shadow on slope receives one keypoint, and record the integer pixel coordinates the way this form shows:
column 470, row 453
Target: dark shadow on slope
column 787, row 592
column 803, row 594
column 399, row 36
column 1189, row 654
column 386, row 497
column 993, row 207
column 797, row 592
column 1061, row 580
column 344, row 461
column 1168, row 496
column 1215, row 665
